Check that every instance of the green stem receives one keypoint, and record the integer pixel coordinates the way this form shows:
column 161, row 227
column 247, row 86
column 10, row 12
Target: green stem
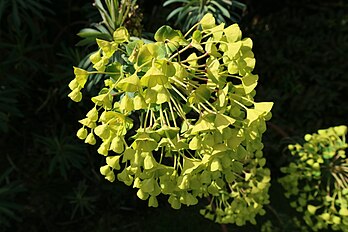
column 181, row 51
column 160, row 161
column 210, row 33
column 192, row 68
column 197, row 58
column 213, row 41
column 125, row 14
column 162, row 119
column 116, row 82
column 191, row 29
column 179, row 108
column 152, row 119
column 174, row 157
column 178, row 162
column 197, row 77
column 147, row 115
column 141, row 66
column 172, row 113
column 193, row 157
column 184, row 84
column 206, row 108
column 107, row 73
column 192, row 84
column 166, row 117
column 280, row 221
column 185, row 99
column 199, row 66
column 211, row 106
column 248, row 100
column 240, row 104
column 176, row 90
column 142, row 119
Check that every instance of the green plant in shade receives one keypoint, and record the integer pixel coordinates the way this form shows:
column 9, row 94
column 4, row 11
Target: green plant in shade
column 9, row 207
column 177, row 117
column 192, row 11
column 80, row 201
column 20, row 11
column 8, row 107
column 63, row 152
column 317, row 179
column 288, row 224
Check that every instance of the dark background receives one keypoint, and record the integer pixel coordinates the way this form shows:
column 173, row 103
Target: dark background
column 50, row 181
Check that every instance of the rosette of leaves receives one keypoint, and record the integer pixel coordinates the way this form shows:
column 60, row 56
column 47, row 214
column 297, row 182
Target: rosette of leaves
column 177, row 117
column 191, row 11
column 114, row 14
column 317, row 179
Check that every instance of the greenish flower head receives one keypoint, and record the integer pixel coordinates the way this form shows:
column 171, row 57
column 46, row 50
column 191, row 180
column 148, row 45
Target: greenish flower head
column 177, row 117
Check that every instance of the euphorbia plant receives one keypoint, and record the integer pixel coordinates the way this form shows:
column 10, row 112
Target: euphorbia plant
column 177, row 117
column 316, row 181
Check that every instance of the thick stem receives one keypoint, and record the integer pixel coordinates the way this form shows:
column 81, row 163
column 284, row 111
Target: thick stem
column 224, row 228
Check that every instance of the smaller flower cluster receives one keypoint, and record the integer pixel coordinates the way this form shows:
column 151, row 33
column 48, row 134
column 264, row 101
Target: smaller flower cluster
column 317, row 180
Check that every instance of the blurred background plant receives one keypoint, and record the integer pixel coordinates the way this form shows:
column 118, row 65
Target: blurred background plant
column 64, row 152
column 9, row 190
column 316, row 180
column 19, row 42
column 301, row 48
column 188, row 12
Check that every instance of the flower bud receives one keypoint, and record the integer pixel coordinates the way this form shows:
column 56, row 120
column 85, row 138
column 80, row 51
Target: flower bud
column 93, row 114
column 113, row 162
column 117, row 145
column 95, row 57
column 103, row 149
column 81, row 76
column 73, row 84
column 75, row 95
column 82, row 133
column 104, row 170
column 90, row 139
column 110, row 176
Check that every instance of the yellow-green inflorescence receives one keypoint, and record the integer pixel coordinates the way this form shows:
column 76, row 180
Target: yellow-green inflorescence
column 317, row 179
column 177, row 117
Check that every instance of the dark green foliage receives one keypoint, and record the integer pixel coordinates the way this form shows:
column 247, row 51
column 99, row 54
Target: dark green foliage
column 9, row 190
column 303, row 57
column 63, row 153
column 301, row 48
column 189, row 12
column 8, row 108
column 20, row 12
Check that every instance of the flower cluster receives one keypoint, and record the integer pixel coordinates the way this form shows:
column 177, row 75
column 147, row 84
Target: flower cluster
column 177, row 117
